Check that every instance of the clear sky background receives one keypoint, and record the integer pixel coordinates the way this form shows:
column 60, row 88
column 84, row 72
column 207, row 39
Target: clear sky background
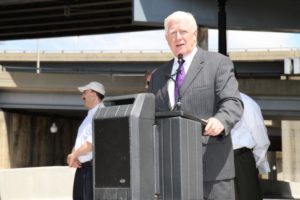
column 153, row 40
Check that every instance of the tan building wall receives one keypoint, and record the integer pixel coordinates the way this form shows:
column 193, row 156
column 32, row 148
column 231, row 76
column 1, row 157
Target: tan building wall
column 4, row 150
column 291, row 150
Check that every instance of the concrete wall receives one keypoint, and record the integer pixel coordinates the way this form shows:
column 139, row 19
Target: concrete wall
column 56, row 183
column 291, row 150
column 4, row 149
column 40, row 183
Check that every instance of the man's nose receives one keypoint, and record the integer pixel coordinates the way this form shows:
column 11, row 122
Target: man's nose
column 178, row 35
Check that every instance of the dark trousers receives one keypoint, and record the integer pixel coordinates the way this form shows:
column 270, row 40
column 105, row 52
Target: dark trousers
column 246, row 176
column 83, row 182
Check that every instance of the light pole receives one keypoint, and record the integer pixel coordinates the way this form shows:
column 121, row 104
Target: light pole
column 38, row 57
column 222, row 26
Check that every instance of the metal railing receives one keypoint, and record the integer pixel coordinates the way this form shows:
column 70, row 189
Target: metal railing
column 145, row 50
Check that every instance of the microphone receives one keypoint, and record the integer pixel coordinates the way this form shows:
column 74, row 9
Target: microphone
column 180, row 59
column 180, row 62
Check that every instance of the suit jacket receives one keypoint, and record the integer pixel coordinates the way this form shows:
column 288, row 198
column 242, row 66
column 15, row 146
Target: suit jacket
column 210, row 89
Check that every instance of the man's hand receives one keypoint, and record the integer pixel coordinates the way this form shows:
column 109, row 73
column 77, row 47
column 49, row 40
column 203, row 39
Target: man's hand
column 214, row 127
column 73, row 161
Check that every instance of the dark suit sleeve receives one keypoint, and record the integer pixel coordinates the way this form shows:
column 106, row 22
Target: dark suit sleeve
column 229, row 104
column 151, row 87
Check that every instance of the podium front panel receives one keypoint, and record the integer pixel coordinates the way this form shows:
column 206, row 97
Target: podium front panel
column 180, row 158
column 113, row 155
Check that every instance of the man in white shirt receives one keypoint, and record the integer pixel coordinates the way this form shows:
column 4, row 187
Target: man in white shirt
column 250, row 143
column 81, row 155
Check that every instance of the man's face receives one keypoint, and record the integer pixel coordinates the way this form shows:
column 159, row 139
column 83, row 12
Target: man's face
column 181, row 38
column 89, row 97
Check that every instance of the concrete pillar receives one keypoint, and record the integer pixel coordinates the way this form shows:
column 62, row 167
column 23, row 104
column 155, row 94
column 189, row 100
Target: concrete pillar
column 291, row 150
column 4, row 148
column 203, row 37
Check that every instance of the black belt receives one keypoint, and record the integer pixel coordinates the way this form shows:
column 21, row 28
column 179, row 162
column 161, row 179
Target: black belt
column 86, row 164
column 241, row 150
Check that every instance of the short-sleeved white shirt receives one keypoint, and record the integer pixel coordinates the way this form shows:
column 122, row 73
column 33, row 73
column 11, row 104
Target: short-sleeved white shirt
column 85, row 133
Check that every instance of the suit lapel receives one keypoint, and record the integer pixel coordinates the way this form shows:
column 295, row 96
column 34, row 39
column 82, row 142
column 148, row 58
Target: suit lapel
column 166, row 74
column 196, row 66
column 168, row 69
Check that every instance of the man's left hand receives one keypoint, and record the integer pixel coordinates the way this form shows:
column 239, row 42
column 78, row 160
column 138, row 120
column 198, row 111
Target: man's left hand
column 214, row 127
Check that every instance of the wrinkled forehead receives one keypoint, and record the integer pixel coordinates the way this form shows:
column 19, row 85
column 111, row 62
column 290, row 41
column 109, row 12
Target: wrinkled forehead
column 181, row 24
column 179, row 27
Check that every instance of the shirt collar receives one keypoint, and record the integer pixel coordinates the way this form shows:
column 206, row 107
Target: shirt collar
column 95, row 108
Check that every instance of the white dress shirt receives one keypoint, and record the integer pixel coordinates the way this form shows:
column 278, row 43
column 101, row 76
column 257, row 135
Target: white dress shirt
column 171, row 83
column 251, row 132
column 85, row 133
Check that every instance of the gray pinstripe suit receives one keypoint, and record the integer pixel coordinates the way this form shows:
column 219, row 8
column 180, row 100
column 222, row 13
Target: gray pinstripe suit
column 209, row 90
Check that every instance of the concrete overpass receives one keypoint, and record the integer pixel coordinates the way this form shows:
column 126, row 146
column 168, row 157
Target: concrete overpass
column 261, row 75
column 52, row 18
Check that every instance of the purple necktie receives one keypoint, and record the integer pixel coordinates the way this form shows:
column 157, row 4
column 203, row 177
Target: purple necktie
column 179, row 78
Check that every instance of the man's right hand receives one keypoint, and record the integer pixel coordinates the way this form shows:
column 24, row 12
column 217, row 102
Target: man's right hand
column 73, row 161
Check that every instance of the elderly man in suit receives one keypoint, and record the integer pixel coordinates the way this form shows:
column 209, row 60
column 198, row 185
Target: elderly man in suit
column 205, row 84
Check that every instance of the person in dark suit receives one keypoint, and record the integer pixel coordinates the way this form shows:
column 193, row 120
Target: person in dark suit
column 209, row 91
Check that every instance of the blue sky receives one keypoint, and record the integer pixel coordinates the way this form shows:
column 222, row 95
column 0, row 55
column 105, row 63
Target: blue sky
column 152, row 40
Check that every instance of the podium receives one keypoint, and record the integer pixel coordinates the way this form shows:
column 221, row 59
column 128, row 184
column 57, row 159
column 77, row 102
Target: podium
column 124, row 148
column 180, row 156
column 143, row 155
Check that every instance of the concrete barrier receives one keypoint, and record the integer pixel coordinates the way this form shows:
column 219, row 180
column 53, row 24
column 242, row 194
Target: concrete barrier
column 40, row 183
column 56, row 183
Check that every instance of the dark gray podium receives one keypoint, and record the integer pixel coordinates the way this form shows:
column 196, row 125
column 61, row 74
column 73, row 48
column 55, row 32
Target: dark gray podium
column 140, row 155
column 124, row 148
column 180, row 156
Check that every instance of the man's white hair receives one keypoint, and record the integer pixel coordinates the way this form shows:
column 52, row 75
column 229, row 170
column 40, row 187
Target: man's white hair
column 181, row 15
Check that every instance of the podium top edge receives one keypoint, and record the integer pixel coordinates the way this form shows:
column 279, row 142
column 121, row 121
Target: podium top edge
column 166, row 114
